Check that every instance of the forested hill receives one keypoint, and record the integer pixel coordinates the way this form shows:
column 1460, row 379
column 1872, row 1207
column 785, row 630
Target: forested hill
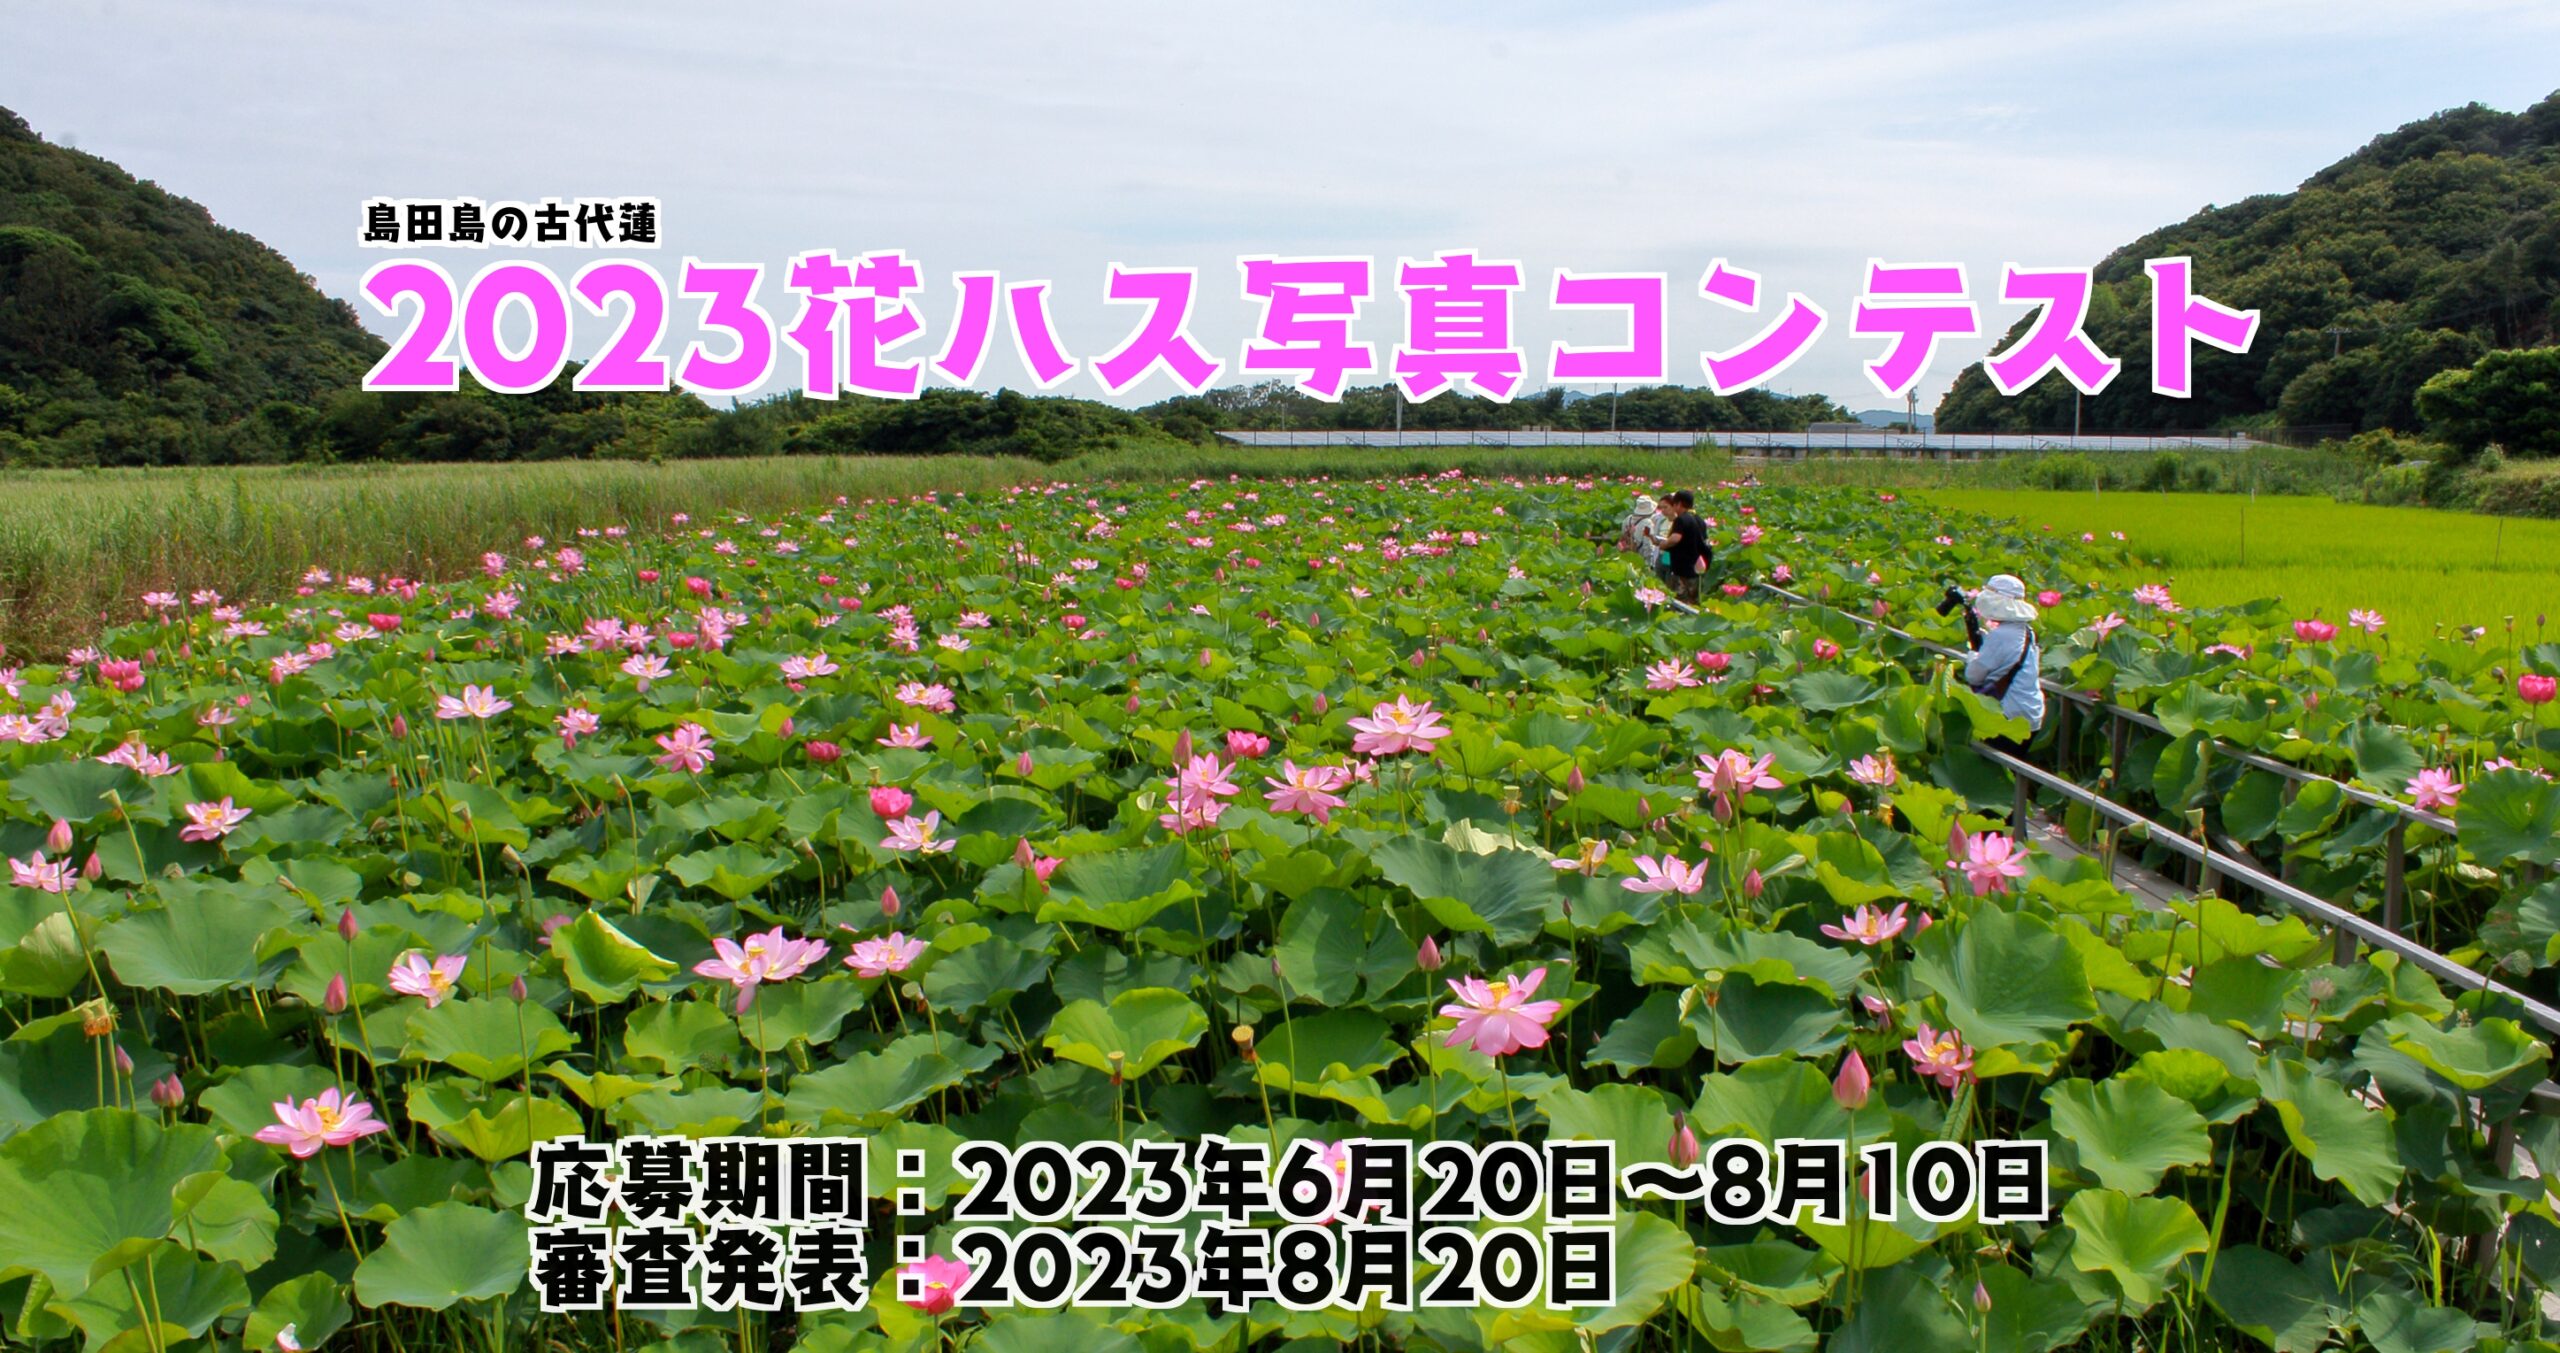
column 129, row 318
column 2428, row 247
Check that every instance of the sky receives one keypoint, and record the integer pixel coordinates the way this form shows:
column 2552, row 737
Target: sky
column 1798, row 140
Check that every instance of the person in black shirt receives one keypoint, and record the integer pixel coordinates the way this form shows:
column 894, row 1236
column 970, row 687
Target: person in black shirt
column 1690, row 550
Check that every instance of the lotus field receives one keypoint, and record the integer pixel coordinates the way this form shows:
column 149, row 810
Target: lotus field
column 1279, row 810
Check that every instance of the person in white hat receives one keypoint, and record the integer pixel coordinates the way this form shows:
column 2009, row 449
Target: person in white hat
column 1644, row 530
column 2006, row 658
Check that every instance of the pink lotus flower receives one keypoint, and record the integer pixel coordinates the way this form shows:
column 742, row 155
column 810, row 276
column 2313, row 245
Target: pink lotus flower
column 124, row 674
column 2048, row 597
column 932, row 1284
column 2433, row 789
column 1876, row 771
column 916, row 834
column 889, row 801
column 2107, row 626
column 769, row 957
column 2314, row 631
column 1245, row 746
column 887, row 954
column 52, row 876
column 1870, row 925
column 1732, row 773
column 307, row 1128
column 1398, row 726
column 824, row 753
column 1306, row 789
column 475, row 702
column 575, row 723
column 1671, row 674
column 687, row 749
column 2370, row 622
column 1682, row 1150
column 433, row 982
column 936, row 697
column 1990, row 861
column 1849, row 1088
column 1825, row 650
column 211, row 821
column 1666, row 875
column 1711, row 661
column 905, row 735
column 2536, row 689
column 1941, row 1057
column 1498, row 1018
column 2155, row 596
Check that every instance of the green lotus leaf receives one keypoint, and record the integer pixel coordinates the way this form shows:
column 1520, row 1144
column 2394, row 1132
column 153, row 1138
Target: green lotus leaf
column 2007, row 980
column 1118, row 889
column 1144, row 1027
column 2342, row 1139
column 438, row 1257
column 872, row 1087
column 2135, row 1242
column 2127, row 1132
column 490, row 1038
column 602, row 963
column 1508, row 894
column 313, row 1305
column 200, row 940
column 84, row 1194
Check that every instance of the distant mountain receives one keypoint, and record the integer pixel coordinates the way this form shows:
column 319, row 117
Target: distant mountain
column 2428, row 247
column 128, row 318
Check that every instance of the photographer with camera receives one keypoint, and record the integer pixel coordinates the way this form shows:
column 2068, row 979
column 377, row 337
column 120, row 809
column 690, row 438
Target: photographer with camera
column 1999, row 626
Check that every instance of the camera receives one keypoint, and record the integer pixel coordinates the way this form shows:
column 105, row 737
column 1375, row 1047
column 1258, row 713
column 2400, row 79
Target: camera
column 1957, row 599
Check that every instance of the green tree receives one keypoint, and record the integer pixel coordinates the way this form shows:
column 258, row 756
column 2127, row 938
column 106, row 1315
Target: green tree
column 2508, row 399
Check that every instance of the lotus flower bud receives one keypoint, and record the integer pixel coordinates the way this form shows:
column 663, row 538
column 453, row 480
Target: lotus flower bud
column 1023, row 854
column 168, row 1093
column 1022, row 764
column 1849, row 1088
column 93, row 868
column 1182, row 746
column 824, row 753
column 516, row 988
column 1683, row 1146
column 1753, row 884
column 399, row 726
column 1322, row 704
column 889, row 902
column 124, row 1061
column 334, row 1000
column 1428, row 956
column 58, row 840
column 1981, row 1297
column 347, row 925
column 1573, row 781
